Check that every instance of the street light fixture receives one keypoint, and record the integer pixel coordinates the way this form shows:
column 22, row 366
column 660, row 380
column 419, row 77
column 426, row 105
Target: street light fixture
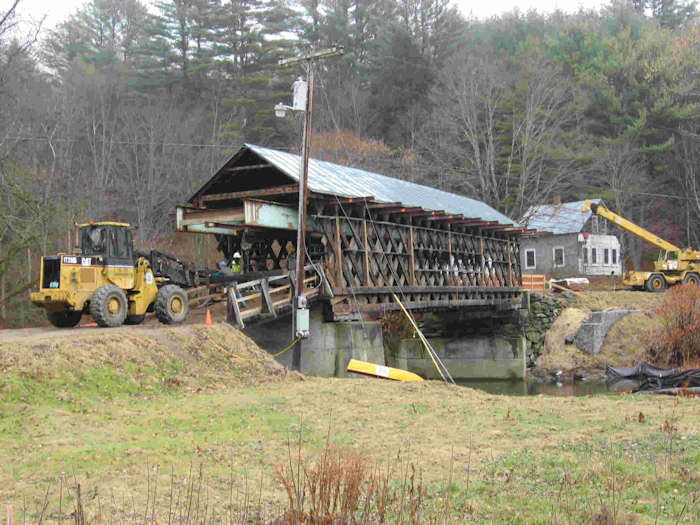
column 281, row 110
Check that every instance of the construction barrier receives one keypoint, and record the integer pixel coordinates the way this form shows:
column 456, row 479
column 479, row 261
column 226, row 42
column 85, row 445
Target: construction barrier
column 534, row 282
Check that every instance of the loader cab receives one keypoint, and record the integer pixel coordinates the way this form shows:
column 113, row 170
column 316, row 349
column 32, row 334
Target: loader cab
column 111, row 242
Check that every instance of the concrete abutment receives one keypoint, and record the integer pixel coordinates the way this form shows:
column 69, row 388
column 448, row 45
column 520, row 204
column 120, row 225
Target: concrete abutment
column 327, row 352
column 491, row 347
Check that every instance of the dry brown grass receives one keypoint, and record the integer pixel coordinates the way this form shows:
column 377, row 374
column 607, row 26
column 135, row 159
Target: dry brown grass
column 244, row 433
column 192, row 357
column 609, row 300
column 624, row 344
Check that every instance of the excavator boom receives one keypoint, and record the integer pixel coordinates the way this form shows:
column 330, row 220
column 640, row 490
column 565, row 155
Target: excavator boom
column 629, row 226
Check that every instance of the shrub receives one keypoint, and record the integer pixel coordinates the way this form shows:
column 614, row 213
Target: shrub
column 677, row 343
column 342, row 485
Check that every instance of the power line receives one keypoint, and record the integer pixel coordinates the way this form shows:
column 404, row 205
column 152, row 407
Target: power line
column 125, row 142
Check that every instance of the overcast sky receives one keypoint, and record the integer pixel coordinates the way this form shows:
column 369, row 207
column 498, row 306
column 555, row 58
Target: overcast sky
column 57, row 10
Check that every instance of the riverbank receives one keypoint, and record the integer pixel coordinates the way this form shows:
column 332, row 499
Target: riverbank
column 476, row 456
column 624, row 345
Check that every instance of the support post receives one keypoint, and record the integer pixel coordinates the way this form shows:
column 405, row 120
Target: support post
column 233, row 311
column 411, row 258
column 366, row 251
column 510, row 265
column 483, row 261
column 267, row 300
column 339, row 252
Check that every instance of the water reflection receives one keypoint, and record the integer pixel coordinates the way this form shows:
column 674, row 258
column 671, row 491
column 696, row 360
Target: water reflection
column 533, row 388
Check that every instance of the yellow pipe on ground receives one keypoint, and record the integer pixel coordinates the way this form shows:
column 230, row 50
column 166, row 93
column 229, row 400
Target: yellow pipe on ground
column 371, row 369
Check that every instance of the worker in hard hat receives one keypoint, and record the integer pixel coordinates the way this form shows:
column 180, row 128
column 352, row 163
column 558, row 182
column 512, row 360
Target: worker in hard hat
column 223, row 271
column 237, row 268
column 236, row 263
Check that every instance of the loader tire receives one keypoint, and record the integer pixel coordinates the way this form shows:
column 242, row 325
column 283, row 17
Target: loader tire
column 134, row 319
column 108, row 306
column 171, row 304
column 656, row 283
column 64, row 319
column 692, row 278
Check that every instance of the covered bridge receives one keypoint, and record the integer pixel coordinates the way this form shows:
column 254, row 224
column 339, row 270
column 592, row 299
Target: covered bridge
column 374, row 235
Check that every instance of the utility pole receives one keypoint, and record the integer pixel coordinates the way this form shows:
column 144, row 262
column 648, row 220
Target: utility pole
column 300, row 317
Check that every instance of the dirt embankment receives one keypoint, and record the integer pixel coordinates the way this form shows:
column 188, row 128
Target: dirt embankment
column 624, row 345
column 134, row 360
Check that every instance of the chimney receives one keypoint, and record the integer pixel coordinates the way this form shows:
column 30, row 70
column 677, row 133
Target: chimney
column 557, row 200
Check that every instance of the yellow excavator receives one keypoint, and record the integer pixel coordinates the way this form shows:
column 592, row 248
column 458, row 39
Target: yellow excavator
column 106, row 277
column 674, row 265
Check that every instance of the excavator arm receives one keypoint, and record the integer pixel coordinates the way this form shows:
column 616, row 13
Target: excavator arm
column 629, row 226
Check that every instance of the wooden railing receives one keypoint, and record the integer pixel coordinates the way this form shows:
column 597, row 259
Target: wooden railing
column 269, row 296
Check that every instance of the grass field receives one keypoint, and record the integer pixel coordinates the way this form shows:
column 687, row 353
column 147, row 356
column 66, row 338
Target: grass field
column 217, row 415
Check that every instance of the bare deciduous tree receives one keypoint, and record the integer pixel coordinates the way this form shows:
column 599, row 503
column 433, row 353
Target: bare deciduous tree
column 509, row 135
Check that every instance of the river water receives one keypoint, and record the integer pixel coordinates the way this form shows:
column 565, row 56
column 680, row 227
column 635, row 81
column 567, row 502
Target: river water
column 533, row 387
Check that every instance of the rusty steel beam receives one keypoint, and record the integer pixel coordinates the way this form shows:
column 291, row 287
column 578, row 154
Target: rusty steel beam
column 280, row 190
column 499, row 305
column 384, row 205
column 246, row 168
column 471, row 224
column 496, row 226
column 351, row 200
column 425, row 213
column 443, row 218
column 407, row 210
column 469, row 220
column 235, row 215
column 463, row 290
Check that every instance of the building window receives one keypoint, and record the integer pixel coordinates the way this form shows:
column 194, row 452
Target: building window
column 594, row 224
column 558, row 256
column 606, row 254
column 594, row 259
column 614, row 256
column 530, row 259
column 585, row 256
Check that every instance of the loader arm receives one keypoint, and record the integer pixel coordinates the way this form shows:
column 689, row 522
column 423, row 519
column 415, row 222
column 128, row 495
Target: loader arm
column 629, row 226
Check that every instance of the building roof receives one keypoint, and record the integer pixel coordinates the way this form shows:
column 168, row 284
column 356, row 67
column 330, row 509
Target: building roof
column 557, row 218
column 342, row 181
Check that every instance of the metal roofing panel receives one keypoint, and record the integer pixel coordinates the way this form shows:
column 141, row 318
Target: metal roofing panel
column 562, row 218
column 334, row 179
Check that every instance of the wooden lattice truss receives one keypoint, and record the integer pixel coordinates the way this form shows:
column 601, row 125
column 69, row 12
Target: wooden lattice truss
column 369, row 251
column 430, row 261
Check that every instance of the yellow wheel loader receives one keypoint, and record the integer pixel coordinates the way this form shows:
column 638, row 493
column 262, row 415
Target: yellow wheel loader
column 112, row 281
column 673, row 265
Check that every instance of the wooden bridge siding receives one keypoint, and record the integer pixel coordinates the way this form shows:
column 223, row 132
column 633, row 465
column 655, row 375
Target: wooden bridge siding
column 366, row 259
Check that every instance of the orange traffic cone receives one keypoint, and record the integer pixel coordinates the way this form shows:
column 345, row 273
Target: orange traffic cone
column 207, row 320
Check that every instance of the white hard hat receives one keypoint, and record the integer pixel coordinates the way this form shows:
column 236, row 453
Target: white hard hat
column 237, row 255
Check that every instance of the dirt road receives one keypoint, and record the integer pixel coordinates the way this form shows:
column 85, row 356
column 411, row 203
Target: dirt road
column 88, row 327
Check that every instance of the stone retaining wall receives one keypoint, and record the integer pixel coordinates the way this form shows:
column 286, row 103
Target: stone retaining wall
column 544, row 310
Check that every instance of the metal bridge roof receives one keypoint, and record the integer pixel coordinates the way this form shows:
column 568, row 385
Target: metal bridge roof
column 334, row 179
column 558, row 218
